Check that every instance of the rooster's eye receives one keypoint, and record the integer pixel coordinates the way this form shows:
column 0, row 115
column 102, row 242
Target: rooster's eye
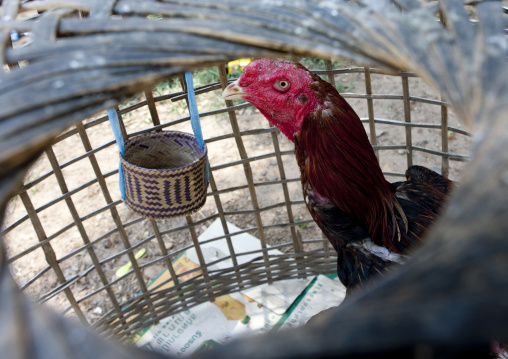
column 281, row 85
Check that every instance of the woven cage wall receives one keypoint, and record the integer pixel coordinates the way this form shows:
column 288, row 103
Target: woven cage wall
column 68, row 231
column 70, row 242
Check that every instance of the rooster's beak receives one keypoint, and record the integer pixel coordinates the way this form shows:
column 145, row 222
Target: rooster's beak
column 233, row 92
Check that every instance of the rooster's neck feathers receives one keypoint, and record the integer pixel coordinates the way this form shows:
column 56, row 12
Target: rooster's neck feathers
column 337, row 161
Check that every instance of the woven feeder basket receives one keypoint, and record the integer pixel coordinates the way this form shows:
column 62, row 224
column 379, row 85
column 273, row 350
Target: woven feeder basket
column 164, row 174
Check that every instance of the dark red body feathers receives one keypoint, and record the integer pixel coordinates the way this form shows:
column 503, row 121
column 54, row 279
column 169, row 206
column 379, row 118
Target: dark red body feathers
column 370, row 222
column 337, row 160
column 349, row 197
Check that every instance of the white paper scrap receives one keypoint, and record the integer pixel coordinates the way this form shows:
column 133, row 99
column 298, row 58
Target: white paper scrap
column 253, row 311
column 207, row 325
column 278, row 296
column 324, row 293
column 242, row 243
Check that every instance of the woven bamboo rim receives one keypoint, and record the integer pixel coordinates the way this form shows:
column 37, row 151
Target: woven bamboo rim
column 164, row 174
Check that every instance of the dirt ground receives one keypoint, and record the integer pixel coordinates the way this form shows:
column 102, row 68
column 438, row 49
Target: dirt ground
column 68, row 244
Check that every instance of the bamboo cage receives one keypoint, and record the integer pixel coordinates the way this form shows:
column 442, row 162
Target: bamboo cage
column 67, row 230
column 306, row 252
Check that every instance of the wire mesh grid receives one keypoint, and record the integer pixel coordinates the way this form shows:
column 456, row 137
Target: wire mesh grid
column 68, row 231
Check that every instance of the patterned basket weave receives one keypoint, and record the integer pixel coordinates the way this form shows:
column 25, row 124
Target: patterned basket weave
column 164, row 174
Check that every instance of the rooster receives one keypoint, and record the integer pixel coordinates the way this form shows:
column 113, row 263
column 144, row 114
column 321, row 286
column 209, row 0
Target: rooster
column 371, row 223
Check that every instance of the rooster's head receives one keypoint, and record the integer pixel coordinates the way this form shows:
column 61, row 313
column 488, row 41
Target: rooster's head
column 282, row 91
